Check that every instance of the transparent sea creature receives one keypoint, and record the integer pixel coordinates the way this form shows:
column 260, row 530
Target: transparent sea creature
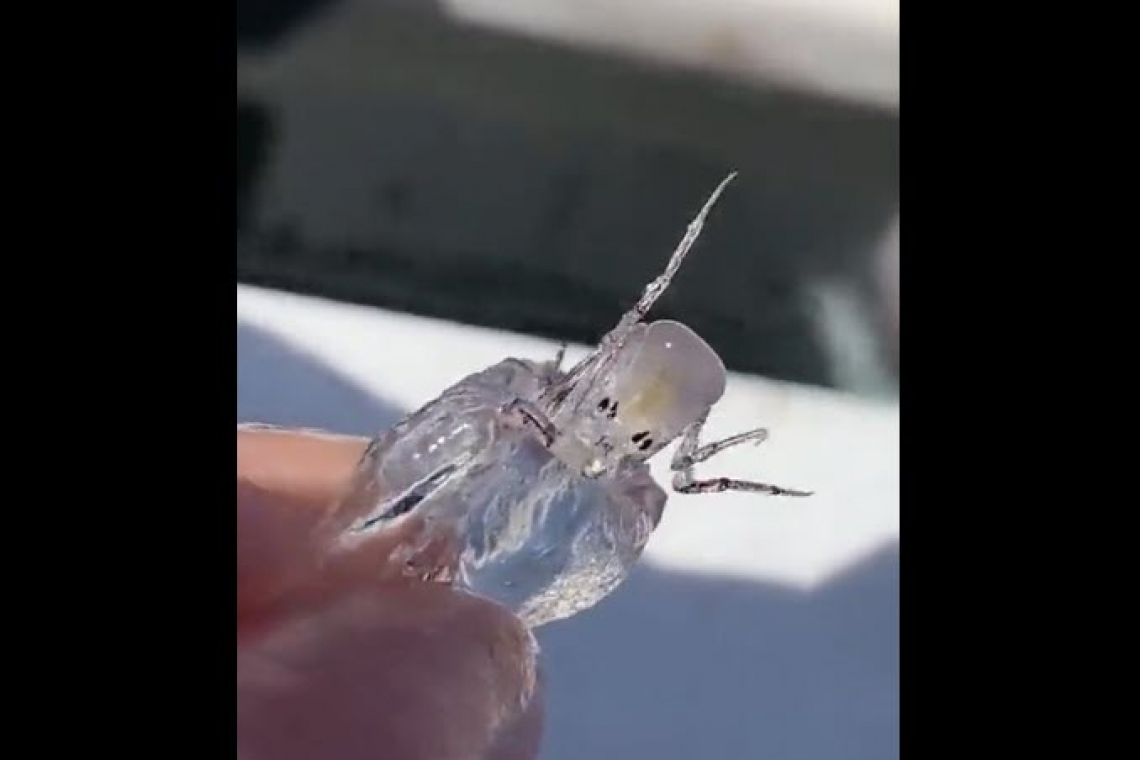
column 528, row 484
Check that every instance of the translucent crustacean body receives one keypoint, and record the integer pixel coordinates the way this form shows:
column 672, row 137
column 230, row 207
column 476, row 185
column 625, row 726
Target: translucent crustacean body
column 528, row 484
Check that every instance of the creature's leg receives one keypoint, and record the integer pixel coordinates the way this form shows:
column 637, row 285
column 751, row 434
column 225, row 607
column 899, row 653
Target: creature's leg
column 683, row 483
column 525, row 415
column 551, row 372
column 690, row 453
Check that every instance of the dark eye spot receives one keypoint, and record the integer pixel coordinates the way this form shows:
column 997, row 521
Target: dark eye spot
column 613, row 410
column 646, row 444
column 638, row 436
column 604, row 404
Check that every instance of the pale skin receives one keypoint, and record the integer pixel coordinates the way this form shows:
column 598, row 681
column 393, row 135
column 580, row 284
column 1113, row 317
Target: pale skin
column 338, row 656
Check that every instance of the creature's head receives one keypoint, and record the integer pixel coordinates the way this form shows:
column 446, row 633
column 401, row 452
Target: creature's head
column 663, row 379
column 642, row 386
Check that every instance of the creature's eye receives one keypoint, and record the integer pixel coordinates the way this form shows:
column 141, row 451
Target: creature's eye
column 608, row 408
column 642, row 439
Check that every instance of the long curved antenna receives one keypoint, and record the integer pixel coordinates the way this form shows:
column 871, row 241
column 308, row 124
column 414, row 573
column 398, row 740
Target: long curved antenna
column 576, row 385
column 657, row 288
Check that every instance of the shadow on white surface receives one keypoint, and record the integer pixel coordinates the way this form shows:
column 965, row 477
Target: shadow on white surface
column 281, row 384
column 675, row 665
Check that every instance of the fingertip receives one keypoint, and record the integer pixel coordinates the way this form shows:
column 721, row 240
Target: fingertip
column 311, row 467
column 415, row 671
column 288, row 483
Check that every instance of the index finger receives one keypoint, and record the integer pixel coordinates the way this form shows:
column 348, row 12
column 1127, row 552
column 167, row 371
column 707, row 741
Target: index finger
column 311, row 467
column 289, row 483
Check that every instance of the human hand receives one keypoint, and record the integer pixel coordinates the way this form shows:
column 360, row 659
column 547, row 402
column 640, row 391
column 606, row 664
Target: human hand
column 338, row 657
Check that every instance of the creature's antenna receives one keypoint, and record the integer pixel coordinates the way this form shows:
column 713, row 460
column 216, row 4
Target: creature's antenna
column 568, row 393
column 657, row 288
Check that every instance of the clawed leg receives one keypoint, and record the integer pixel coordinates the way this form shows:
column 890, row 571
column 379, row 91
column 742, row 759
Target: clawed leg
column 525, row 415
column 551, row 371
column 683, row 483
column 690, row 453
column 559, row 357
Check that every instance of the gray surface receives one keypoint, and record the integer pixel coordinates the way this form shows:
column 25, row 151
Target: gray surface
column 676, row 667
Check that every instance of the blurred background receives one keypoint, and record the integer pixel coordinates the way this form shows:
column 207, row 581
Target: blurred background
column 427, row 186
